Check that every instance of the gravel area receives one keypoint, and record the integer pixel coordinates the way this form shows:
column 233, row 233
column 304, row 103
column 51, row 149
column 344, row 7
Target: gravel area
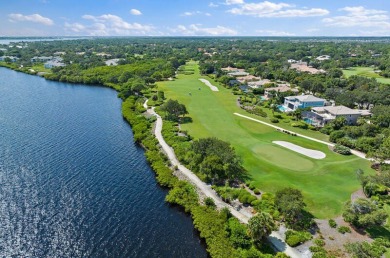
column 314, row 154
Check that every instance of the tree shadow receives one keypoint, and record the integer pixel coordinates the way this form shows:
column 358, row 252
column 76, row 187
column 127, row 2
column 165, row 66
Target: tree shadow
column 186, row 120
column 379, row 231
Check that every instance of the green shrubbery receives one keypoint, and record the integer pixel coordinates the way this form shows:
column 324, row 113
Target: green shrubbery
column 342, row 149
column 295, row 238
column 344, row 229
column 332, row 223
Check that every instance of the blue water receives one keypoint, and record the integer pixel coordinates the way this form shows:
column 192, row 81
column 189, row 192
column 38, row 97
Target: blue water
column 281, row 108
column 73, row 183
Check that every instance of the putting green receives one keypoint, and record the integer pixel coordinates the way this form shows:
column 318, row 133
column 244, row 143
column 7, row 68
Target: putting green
column 326, row 183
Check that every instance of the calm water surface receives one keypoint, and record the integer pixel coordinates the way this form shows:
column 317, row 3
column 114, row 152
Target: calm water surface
column 73, row 183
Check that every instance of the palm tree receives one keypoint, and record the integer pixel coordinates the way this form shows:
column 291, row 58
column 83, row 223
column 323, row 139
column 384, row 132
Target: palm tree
column 260, row 225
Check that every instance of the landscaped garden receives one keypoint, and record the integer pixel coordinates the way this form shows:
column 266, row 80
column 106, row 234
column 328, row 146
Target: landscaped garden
column 326, row 183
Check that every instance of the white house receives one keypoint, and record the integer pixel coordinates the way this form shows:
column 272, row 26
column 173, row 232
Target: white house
column 12, row 58
column 292, row 103
column 320, row 116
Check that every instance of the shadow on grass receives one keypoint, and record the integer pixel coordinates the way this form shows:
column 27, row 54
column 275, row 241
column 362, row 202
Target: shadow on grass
column 186, row 120
column 376, row 232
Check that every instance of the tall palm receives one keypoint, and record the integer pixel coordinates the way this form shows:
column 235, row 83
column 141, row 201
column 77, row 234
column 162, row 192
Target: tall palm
column 261, row 225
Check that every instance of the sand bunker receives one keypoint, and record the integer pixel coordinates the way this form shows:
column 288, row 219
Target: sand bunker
column 212, row 87
column 307, row 152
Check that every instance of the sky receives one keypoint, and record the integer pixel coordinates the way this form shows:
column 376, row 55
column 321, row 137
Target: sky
column 194, row 18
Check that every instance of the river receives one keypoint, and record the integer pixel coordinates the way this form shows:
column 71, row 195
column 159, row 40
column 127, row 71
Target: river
column 73, row 183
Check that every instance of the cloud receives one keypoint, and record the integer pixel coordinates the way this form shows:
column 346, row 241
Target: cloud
column 198, row 30
column 211, row 4
column 108, row 25
column 16, row 17
column 277, row 10
column 231, row 2
column 274, row 33
column 195, row 13
column 135, row 12
column 359, row 16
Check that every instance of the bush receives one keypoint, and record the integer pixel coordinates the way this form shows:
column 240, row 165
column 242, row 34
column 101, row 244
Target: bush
column 332, row 223
column 319, row 242
column 209, row 202
column 344, row 229
column 256, row 191
column 300, row 125
column 295, row 238
column 334, row 136
column 342, row 149
column 274, row 120
column 279, row 116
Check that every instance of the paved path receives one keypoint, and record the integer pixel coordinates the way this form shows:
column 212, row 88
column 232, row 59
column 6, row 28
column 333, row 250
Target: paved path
column 354, row 152
column 275, row 239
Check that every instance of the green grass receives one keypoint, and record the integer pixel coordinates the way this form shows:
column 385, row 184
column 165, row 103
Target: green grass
column 365, row 72
column 39, row 68
column 326, row 184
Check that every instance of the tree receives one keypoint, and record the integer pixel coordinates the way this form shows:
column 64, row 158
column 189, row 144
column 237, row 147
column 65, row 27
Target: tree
column 260, row 226
column 289, row 202
column 174, row 109
column 364, row 213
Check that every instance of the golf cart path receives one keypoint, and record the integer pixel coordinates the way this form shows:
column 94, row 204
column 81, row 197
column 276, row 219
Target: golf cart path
column 354, row 152
column 275, row 238
column 208, row 83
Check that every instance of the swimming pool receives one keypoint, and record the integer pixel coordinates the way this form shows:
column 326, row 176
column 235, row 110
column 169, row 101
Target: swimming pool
column 282, row 108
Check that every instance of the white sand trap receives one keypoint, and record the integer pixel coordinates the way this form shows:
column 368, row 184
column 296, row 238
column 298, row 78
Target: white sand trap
column 307, row 152
column 212, row 87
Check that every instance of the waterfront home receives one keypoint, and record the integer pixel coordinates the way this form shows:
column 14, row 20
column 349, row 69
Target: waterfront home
column 292, row 103
column 12, row 58
column 320, row 116
column 270, row 92
column 53, row 63
column 41, row 59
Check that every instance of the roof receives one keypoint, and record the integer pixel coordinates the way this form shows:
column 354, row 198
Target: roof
column 281, row 88
column 337, row 110
column 238, row 74
column 306, row 98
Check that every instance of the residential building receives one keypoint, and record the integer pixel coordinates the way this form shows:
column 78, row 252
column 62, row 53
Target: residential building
column 53, row 63
column 12, row 58
column 41, row 59
column 323, row 57
column 238, row 73
column 292, row 103
column 247, row 78
column 320, row 116
column 269, row 92
column 258, row 84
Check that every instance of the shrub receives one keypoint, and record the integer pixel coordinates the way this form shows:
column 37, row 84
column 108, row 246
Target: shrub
column 295, row 238
column 319, row 242
column 274, row 120
column 279, row 116
column 344, row 229
column 256, row 191
column 209, row 202
column 334, row 136
column 341, row 149
column 300, row 125
column 332, row 223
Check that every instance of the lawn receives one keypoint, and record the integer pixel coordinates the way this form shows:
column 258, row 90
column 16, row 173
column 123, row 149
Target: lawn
column 326, row 183
column 365, row 72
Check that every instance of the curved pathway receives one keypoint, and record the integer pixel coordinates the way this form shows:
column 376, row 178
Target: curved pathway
column 275, row 238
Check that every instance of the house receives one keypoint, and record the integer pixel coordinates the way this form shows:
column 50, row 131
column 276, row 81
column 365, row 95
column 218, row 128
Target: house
column 291, row 61
column 112, row 62
column 292, row 103
column 12, row 58
column 41, row 59
column 232, row 69
column 53, row 63
column 233, row 83
column 269, row 92
column 238, row 73
column 323, row 58
column 258, row 84
column 320, row 116
column 247, row 78
column 244, row 88
column 303, row 67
